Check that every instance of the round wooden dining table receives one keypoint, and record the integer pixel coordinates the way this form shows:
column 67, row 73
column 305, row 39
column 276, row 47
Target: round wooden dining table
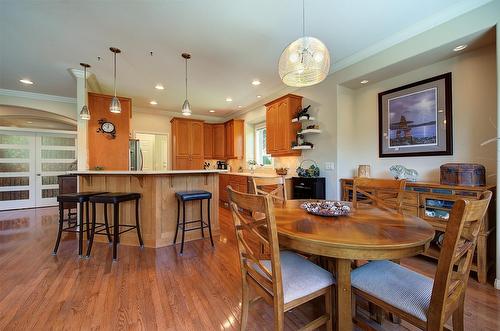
column 368, row 233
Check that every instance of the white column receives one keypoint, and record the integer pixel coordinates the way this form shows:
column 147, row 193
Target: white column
column 497, row 277
column 82, row 125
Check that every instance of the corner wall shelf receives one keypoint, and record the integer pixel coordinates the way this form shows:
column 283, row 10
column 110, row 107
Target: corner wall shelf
column 302, row 147
column 306, row 131
column 303, row 119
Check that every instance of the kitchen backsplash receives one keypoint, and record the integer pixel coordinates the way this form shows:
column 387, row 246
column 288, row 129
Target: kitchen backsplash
column 290, row 162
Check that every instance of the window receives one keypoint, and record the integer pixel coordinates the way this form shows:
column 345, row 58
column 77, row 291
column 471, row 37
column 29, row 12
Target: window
column 261, row 156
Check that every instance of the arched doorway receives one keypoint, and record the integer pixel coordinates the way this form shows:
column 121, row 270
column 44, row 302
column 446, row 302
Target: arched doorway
column 35, row 147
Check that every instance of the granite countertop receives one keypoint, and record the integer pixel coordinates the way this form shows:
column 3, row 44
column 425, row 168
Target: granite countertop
column 135, row 173
column 256, row 174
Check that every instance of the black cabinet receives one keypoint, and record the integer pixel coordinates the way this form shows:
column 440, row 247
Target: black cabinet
column 308, row 188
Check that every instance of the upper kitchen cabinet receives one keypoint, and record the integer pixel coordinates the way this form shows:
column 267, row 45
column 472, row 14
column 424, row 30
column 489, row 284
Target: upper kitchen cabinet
column 208, row 140
column 235, row 139
column 280, row 131
column 219, row 141
column 187, row 149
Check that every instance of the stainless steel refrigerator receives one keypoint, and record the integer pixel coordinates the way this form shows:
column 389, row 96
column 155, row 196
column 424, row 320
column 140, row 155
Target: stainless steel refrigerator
column 135, row 161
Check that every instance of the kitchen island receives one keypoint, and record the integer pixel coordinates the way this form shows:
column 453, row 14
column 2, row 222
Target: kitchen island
column 158, row 205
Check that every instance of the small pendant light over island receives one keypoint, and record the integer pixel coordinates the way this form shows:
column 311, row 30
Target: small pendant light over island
column 85, row 113
column 186, row 107
column 115, row 106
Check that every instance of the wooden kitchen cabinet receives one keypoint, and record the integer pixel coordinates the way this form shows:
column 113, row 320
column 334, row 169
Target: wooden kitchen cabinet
column 235, row 139
column 208, row 141
column 237, row 182
column 187, row 149
column 280, row 131
column 219, row 141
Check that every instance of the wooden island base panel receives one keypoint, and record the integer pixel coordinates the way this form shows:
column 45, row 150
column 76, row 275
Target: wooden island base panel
column 158, row 205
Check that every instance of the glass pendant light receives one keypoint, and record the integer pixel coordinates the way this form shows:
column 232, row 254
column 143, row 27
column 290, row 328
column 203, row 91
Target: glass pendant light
column 115, row 106
column 186, row 107
column 85, row 113
column 304, row 62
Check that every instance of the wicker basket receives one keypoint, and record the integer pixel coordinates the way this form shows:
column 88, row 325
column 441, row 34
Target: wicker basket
column 281, row 171
column 311, row 171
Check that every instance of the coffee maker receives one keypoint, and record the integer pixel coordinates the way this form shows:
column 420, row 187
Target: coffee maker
column 221, row 165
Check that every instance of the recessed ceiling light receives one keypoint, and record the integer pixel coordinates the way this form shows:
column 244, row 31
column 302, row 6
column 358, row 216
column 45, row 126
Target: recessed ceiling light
column 26, row 81
column 259, row 96
column 364, row 81
column 240, row 106
column 159, row 87
column 459, row 48
column 255, row 82
column 211, row 111
column 228, row 99
column 153, row 102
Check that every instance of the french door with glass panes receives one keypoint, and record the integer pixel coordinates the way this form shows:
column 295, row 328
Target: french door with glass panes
column 29, row 166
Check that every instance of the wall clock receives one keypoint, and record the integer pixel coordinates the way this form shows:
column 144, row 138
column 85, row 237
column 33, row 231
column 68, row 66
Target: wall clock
column 107, row 128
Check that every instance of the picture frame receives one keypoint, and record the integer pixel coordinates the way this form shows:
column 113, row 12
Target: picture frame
column 416, row 119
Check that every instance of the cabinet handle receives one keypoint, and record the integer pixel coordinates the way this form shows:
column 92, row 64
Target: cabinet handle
column 421, row 206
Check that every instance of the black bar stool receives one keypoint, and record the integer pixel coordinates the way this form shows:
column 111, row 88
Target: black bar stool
column 192, row 196
column 82, row 199
column 115, row 199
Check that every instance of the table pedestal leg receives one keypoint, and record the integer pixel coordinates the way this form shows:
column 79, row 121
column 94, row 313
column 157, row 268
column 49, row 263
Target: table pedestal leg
column 343, row 288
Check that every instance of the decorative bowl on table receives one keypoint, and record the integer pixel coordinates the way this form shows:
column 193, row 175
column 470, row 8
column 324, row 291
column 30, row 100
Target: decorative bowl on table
column 329, row 208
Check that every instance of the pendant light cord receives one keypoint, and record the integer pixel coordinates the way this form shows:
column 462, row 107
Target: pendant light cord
column 303, row 19
column 85, row 77
column 186, row 78
column 114, row 73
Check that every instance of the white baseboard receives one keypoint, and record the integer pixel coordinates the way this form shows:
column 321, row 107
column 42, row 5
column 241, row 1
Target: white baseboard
column 497, row 284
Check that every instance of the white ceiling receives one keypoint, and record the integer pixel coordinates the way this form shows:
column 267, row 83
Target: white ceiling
column 231, row 42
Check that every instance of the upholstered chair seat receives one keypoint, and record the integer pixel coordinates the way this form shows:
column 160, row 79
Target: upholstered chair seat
column 398, row 286
column 300, row 276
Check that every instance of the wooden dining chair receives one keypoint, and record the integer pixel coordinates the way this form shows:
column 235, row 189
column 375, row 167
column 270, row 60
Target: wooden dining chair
column 273, row 186
column 416, row 298
column 385, row 193
column 285, row 280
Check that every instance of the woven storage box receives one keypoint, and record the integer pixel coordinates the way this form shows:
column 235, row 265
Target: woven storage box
column 463, row 174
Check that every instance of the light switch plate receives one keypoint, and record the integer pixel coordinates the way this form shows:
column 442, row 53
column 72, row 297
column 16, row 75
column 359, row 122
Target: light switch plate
column 329, row 166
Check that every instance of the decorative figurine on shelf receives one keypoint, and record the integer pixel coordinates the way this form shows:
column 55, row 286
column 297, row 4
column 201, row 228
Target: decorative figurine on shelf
column 252, row 164
column 303, row 113
column 401, row 172
column 312, row 126
column 300, row 139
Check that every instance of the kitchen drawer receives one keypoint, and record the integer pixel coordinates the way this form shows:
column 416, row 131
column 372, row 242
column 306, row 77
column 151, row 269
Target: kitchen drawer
column 410, row 198
column 410, row 210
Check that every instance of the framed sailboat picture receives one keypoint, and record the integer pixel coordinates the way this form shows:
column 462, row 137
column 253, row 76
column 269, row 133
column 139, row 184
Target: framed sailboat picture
column 416, row 119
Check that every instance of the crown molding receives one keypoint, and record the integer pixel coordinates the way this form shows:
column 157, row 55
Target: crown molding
column 428, row 23
column 36, row 96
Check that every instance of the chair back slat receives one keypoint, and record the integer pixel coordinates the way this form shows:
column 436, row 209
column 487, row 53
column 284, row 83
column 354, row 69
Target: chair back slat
column 273, row 186
column 460, row 239
column 263, row 230
column 384, row 193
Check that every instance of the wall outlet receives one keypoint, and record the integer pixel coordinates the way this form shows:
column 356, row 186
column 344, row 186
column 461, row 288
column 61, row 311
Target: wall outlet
column 329, row 166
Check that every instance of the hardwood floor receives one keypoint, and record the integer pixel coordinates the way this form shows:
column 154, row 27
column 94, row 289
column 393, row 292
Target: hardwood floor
column 149, row 289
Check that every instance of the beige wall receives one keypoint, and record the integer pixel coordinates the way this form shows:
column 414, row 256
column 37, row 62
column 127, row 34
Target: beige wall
column 474, row 118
